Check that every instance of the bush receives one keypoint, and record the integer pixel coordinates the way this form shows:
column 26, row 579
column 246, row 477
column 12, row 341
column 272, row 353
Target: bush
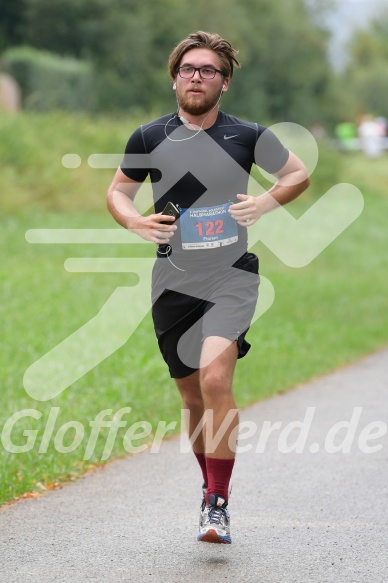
column 49, row 81
column 31, row 149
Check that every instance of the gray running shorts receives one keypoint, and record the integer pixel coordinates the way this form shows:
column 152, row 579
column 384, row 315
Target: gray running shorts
column 188, row 306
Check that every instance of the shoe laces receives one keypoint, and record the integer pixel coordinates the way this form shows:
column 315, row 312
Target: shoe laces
column 216, row 514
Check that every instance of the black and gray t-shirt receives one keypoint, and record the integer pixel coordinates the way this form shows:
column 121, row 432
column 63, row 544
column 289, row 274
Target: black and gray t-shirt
column 203, row 175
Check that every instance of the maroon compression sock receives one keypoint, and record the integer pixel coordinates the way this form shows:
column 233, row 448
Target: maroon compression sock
column 219, row 472
column 202, row 462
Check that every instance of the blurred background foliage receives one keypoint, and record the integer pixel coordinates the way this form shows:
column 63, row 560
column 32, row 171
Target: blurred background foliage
column 90, row 72
column 99, row 56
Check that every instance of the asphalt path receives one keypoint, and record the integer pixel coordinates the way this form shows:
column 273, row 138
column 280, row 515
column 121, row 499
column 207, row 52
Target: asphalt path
column 312, row 515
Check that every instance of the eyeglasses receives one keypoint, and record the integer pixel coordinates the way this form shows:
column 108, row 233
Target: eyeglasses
column 188, row 72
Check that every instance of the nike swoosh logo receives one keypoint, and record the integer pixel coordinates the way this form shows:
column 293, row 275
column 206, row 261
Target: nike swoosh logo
column 229, row 137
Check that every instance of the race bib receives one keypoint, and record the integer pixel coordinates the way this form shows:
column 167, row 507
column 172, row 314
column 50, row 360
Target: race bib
column 209, row 227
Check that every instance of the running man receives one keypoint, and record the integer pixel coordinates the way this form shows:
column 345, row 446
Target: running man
column 204, row 281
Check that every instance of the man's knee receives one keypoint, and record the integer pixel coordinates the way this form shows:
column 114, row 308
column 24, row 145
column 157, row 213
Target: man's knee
column 192, row 402
column 215, row 382
column 190, row 391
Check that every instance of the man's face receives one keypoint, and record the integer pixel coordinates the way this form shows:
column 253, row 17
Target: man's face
column 197, row 96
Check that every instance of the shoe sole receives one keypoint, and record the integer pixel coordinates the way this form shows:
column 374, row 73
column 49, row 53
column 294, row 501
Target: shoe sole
column 212, row 536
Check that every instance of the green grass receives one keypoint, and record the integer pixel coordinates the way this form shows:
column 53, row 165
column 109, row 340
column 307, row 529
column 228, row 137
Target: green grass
column 31, row 151
column 325, row 315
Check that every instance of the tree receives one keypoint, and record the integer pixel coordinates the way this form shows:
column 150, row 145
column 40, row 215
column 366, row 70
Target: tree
column 367, row 73
column 284, row 75
column 370, row 45
column 65, row 27
column 11, row 17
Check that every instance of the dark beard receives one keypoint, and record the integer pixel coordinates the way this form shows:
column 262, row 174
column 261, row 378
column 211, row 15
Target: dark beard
column 194, row 108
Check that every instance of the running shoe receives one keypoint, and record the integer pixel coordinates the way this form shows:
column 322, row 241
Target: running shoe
column 214, row 523
column 204, row 492
column 203, row 501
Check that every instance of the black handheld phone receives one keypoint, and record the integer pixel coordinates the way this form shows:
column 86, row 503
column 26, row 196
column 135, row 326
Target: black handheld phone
column 174, row 211
column 171, row 209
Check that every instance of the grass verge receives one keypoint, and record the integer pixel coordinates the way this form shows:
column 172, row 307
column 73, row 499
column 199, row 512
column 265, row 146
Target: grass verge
column 324, row 315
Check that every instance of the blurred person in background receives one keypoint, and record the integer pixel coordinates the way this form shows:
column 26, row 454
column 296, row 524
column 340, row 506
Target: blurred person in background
column 371, row 136
column 346, row 134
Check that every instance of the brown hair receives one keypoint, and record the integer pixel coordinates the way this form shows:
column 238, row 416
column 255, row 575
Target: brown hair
column 205, row 40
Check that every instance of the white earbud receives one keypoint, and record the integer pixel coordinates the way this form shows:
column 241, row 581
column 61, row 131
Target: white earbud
column 174, row 86
column 224, row 88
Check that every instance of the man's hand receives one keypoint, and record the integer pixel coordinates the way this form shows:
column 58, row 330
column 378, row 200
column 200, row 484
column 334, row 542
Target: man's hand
column 251, row 208
column 292, row 180
column 151, row 228
column 120, row 198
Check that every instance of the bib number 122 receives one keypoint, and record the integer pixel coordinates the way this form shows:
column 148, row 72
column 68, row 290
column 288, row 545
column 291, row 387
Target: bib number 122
column 211, row 228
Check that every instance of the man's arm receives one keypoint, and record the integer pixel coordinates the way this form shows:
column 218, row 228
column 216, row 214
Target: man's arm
column 120, row 197
column 293, row 179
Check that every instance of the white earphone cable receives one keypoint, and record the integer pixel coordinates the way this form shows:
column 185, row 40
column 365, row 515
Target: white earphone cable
column 201, row 127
